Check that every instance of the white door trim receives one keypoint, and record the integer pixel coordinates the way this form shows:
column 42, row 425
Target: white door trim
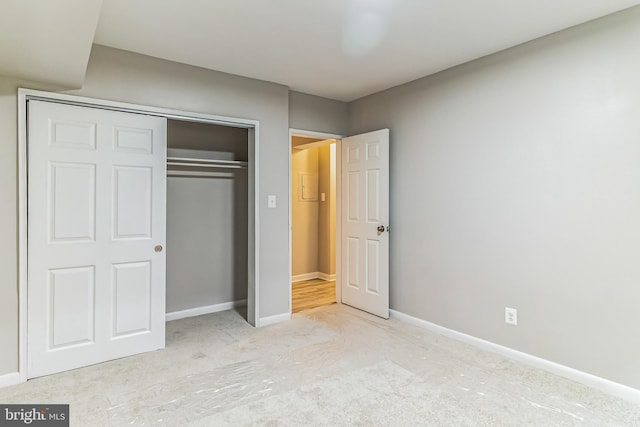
column 338, row 138
column 254, row 214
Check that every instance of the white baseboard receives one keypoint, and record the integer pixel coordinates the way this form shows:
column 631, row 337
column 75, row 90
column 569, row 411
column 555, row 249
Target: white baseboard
column 271, row 320
column 312, row 276
column 602, row 384
column 305, row 276
column 199, row 311
column 327, row 277
column 7, row 380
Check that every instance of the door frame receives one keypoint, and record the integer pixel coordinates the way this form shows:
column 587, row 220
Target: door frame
column 338, row 248
column 253, row 127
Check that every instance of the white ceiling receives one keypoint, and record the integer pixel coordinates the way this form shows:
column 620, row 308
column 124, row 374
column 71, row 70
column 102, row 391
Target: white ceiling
column 340, row 49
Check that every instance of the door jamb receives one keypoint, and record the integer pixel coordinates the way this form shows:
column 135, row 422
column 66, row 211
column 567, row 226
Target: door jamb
column 253, row 127
column 338, row 138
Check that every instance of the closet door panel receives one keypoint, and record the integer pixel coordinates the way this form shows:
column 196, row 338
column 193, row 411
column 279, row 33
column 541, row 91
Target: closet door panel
column 131, row 298
column 133, row 140
column 72, row 202
column 71, row 307
column 72, row 134
column 96, row 235
column 132, row 192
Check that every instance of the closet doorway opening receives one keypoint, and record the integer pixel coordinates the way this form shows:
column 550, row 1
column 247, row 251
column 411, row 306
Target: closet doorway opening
column 314, row 225
column 207, row 218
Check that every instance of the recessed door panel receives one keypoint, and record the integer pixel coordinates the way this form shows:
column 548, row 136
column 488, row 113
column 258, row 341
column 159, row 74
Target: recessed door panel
column 132, row 202
column 373, row 151
column 373, row 199
column 74, row 135
column 72, row 203
column 71, row 307
column 131, row 298
column 353, row 154
column 353, row 202
column 373, row 259
column 132, row 140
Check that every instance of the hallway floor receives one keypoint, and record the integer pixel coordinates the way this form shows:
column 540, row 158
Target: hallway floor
column 329, row 366
column 312, row 293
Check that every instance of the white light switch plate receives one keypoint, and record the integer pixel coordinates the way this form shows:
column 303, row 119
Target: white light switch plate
column 271, row 201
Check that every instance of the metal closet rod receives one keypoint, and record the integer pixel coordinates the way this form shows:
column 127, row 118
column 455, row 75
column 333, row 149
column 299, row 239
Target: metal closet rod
column 205, row 163
column 200, row 174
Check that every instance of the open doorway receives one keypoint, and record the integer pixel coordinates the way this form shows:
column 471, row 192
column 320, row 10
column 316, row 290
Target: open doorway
column 361, row 215
column 207, row 218
column 313, row 221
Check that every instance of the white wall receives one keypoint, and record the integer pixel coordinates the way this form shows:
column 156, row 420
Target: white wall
column 515, row 181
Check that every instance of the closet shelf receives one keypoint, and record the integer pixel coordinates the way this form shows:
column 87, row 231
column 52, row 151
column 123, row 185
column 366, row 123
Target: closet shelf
column 205, row 163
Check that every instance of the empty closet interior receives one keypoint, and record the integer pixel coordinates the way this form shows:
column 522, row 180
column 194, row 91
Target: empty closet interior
column 207, row 218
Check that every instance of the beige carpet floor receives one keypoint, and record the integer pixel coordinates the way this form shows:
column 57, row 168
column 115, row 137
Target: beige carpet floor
column 329, row 366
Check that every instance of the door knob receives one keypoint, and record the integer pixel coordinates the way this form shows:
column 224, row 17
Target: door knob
column 380, row 229
column 158, row 248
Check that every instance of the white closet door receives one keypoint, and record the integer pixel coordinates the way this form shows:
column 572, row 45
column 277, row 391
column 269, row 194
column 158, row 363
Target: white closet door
column 96, row 235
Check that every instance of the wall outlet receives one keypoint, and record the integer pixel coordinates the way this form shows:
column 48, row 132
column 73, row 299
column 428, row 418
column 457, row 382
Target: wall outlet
column 511, row 316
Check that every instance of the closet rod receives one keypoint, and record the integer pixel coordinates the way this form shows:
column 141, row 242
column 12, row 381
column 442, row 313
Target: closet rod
column 185, row 160
column 207, row 165
column 202, row 174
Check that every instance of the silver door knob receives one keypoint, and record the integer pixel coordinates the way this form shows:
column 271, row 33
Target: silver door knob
column 158, row 248
column 380, row 229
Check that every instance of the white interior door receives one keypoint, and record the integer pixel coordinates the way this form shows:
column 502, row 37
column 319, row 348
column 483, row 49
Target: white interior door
column 96, row 232
column 365, row 220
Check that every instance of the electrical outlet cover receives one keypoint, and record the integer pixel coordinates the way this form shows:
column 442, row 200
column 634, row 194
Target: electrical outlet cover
column 511, row 316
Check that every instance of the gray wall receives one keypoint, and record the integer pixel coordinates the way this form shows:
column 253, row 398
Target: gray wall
column 206, row 240
column 314, row 113
column 515, row 181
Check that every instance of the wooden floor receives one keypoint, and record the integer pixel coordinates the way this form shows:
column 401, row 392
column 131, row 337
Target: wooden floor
column 312, row 293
